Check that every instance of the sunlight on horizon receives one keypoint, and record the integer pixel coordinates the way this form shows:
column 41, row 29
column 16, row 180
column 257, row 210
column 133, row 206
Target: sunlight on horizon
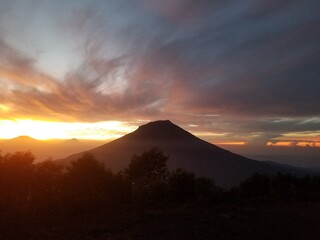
column 294, row 144
column 109, row 130
column 43, row 130
column 238, row 143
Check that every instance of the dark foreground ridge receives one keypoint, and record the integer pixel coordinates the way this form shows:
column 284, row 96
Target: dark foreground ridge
column 184, row 150
column 149, row 201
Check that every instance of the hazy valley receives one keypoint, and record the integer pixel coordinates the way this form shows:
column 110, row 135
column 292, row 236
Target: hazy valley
column 47, row 149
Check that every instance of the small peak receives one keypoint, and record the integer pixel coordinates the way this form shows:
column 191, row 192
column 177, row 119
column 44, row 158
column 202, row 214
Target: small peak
column 24, row 138
column 72, row 140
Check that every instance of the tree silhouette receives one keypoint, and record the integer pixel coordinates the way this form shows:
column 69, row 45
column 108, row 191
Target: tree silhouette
column 15, row 180
column 148, row 174
column 46, row 192
column 256, row 186
column 282, row 187
column 182, row 185
column 148, row 168
column 85, row 182
column 206, row 191
column 46, row 185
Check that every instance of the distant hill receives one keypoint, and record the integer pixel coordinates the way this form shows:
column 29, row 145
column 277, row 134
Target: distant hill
column 47, row 148
column 23, row 140
column 21, row 143
column 185, row 151
column 72, row 141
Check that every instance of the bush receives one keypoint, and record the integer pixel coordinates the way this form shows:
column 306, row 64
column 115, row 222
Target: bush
column 256, row 186
column 207, row 192
column 182, row 185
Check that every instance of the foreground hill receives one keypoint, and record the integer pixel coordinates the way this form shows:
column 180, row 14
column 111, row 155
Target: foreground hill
column 185, row 151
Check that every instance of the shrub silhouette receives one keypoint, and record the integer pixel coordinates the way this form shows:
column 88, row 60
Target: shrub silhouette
column 257, row 186
column 182, row 185
column 282, row 187
column 207, row 192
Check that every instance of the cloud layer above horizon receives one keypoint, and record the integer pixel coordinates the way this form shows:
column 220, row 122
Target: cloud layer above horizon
column 245, row 69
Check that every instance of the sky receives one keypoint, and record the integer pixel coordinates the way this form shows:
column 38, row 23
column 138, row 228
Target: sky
column 241, row 71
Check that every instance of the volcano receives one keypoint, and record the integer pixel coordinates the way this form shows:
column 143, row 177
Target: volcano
column 184, row 150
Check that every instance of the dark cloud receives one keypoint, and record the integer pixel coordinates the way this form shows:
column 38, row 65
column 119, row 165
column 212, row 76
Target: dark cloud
column 263, row 65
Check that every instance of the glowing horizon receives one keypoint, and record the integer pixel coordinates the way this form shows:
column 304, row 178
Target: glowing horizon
column 294, row 144
column 109, row 130
column 45, row 130
column 237, row 143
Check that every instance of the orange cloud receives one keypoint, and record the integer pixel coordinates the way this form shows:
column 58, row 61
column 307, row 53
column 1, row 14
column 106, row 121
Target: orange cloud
column 238, row 143
column 294, row 143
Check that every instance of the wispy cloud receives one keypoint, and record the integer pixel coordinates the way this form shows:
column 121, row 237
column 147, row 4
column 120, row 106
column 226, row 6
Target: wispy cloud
column 234, row 62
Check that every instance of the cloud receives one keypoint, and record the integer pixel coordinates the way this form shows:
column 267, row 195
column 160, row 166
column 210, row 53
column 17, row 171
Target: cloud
column 88, row 93
column 236, row 63
column 251, row 64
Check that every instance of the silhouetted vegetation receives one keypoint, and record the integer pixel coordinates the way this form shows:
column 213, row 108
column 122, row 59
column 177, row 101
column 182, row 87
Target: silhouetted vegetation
column 280, row 187
column 86, row 185
column 46, row 190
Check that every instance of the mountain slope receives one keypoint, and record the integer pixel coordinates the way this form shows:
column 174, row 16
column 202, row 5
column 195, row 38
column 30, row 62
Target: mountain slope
column 185, row 151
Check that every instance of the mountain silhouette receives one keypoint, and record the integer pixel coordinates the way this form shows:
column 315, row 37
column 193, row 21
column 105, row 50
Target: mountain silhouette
column 21, row 143
column 184, row 150
column 24, row 140
column 71, row 142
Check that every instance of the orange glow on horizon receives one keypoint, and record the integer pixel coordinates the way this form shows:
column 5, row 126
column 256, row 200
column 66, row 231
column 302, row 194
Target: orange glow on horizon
column 292, row 144
column 280, row 144
column 44, row 130
column 308, row 144
column 239, row 143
